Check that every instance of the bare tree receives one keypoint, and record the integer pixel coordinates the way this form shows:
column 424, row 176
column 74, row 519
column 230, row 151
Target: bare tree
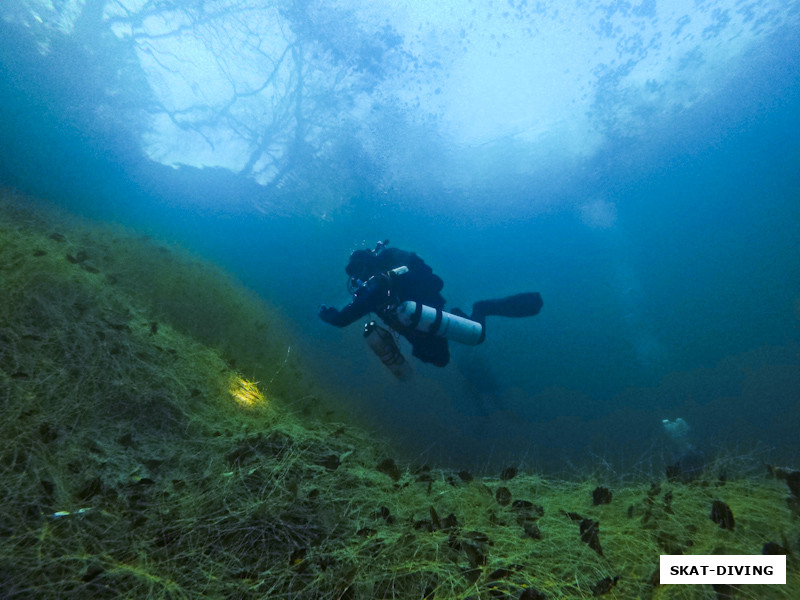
column 273, row 84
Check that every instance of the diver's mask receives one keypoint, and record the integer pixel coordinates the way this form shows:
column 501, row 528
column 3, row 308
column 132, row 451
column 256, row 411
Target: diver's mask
column 355, row 283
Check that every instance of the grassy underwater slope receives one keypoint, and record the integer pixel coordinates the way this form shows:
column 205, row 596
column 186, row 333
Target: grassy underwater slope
column 137, row 462
column 165, row 282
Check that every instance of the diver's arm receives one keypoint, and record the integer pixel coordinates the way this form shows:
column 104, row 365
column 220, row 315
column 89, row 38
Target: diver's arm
column 349, row 314
column 369, row 298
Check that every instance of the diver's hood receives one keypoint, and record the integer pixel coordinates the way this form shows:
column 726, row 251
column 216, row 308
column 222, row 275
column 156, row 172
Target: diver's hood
column 361, row 262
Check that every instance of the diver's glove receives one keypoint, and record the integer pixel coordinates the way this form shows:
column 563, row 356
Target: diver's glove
column 328, row 313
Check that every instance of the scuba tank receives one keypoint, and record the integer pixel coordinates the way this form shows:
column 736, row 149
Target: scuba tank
column 385, row 347
column 433, row 321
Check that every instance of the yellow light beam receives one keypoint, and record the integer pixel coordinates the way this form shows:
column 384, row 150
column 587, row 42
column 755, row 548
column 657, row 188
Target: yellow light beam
column 246, row 393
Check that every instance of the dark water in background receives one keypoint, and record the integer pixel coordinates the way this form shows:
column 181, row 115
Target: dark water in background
column 688, row 307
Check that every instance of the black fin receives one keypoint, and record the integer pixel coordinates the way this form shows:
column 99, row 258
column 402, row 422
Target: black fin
column 518, row 305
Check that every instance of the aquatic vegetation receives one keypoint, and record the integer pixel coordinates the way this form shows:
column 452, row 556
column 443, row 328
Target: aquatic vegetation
column 246, row 393
column 138, row 463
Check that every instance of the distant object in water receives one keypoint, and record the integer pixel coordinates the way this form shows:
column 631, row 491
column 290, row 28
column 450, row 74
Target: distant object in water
column 406, row 294
column 690, row 462
column 678, row 431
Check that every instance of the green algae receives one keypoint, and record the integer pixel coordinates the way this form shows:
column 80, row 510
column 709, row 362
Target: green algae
column 130, row 470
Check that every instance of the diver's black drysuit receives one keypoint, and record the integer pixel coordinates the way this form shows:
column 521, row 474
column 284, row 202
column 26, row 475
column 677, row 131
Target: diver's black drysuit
column 378, row 288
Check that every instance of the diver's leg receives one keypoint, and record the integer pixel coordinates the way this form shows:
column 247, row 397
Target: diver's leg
column 518, row 305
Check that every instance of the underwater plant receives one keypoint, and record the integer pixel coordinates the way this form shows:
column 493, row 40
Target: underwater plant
column 138, row 463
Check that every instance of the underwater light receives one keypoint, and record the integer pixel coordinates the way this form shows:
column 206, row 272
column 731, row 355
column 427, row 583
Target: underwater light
column 246, row 393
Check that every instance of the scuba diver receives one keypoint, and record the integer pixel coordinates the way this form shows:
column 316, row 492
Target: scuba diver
column 406, row 294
